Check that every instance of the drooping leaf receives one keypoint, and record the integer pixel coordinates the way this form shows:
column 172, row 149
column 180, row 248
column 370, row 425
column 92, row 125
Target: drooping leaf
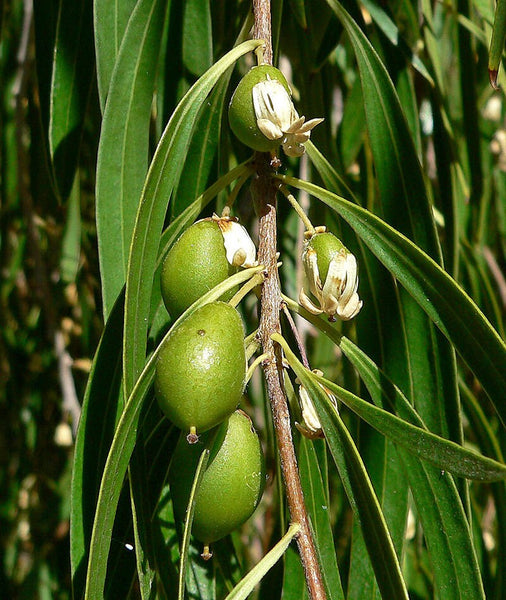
column 70, row 89
column 318, row 505
column 449, row 542
column 110, row 21
column 100, row 412
column 246, row 585
column 445, row 302
column 124, row 144
column 197, row 36
column 356, row 483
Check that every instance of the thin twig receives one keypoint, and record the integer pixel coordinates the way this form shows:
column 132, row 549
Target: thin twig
column 263, row 191
column 296, row 335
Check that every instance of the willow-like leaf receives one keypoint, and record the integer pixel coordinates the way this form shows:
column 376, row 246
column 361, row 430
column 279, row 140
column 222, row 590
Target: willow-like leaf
column 123, row 150
column 439, row 451
column 248, row 583
column 356, row 483
column 70, row 88
column 190, row 510
column 318, row 505
column 497, row 41
column 110, row 21
column 445, row 302
column 437, row 500
column 99, row 414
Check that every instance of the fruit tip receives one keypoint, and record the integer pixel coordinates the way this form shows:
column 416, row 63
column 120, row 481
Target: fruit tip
column 192, row 437
column 206, row 553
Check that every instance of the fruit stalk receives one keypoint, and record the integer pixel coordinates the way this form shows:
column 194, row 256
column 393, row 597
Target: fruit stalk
column 263, row 190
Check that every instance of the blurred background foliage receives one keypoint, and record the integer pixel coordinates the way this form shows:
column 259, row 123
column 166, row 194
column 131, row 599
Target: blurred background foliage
column 57, row 65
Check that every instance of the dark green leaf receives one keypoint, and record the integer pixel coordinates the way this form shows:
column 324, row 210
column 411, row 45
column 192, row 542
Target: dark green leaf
column 356, row 483
column 110, row 19
column 318, row 504
column 197, row 36
column 70, row 88
column 446, row 303
column 124, row 144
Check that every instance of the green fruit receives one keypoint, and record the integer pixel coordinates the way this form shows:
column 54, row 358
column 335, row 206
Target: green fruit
column 232, row 484
column 241, row 112
column 195, row 264
column 327, row 247
column 201, row 368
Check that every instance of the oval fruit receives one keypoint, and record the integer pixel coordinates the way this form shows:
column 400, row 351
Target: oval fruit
column 194, row 265
column 241, row 112
column 201, row 368
column 327, row 246
column 231, row 486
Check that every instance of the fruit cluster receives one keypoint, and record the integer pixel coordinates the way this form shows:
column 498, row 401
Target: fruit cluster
column 201, row 364
column 200, row 379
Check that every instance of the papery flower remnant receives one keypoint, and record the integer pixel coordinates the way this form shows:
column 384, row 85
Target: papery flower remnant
column 332, row 275
column 311, row 426
column 239, row 247
column 277, row 118
column 262, row 115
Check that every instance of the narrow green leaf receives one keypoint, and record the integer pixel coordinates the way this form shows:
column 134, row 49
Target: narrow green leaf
column 489, row 442
column 124, row 144
column 185, row 543
column 356, row 482
column 197, row 36
column 110, row 21
column 71, row 243
column 203, row 149
column 391, row 31
column 70, row 87
column 438, row 503
column 333, row 181
column 248, row 583
column 352, row 129
column 318, row 504
column 387, row 341
column 294, row 583
column 96, row 430
column 446, row 531
column 445, row 302
column 470, row 114
column 161, row 179
column 443, row 453
column 400, row 178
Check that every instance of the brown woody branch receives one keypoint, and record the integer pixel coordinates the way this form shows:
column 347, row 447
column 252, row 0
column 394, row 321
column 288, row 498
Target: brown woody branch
column 264, row 195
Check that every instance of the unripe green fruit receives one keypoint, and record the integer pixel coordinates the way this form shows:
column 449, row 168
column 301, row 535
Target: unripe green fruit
column 232, row 484
column 194, row 265
column 241, row 112
column 326, row 246
column 201, row 368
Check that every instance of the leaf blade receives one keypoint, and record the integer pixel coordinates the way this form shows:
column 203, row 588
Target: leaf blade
column 124, row 143
column 445, row 302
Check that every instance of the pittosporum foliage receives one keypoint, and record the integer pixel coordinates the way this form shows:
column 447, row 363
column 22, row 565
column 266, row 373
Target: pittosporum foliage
column 273, row 234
